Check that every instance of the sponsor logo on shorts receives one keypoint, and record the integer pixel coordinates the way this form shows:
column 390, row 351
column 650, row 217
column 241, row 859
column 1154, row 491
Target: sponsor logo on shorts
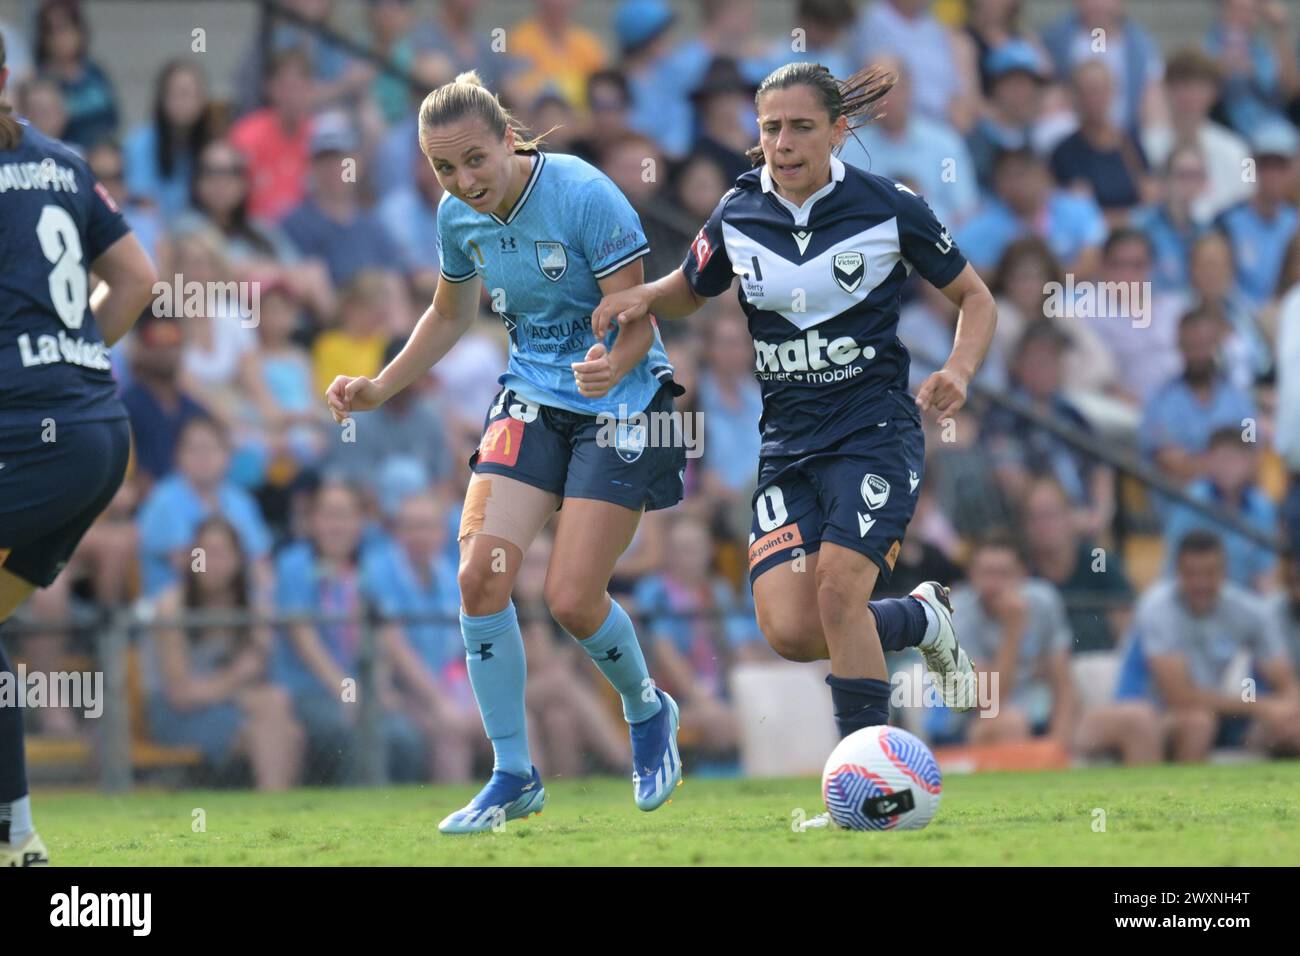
column 892, row 554
column 787, row 536
column 500, row 444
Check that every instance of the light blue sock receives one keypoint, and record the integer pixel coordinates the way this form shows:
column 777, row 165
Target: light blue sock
column 616, row 651
column 494, row 654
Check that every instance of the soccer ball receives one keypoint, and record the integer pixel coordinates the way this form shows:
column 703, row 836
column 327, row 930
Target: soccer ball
column 881, row 778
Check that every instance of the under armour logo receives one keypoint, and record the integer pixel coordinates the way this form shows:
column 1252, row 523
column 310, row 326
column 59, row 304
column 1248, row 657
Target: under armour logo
column 508, row 244
column 613, row 655
column 484, row 652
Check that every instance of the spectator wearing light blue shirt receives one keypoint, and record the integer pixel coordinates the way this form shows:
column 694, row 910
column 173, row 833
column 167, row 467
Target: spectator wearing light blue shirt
column 1026, row 204
column 1172, row 226
column 411, row 576
column 410, row 215
column 731, row 405
column 1259, row 228
column 183, row 500
column 1017, row 78
column 1230, row 487
column 826, row 35
column 908, row 29
column 927, row 153
column 160, row 156
column 1182, row 414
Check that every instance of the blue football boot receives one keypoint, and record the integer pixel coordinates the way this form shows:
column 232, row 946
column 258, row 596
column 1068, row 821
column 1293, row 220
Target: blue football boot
column 656, row 764
column 507, row 796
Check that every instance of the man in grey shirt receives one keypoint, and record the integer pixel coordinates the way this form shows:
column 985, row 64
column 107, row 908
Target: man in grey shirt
column 1015, row 628
column 1189, row 631
column 1284, row 610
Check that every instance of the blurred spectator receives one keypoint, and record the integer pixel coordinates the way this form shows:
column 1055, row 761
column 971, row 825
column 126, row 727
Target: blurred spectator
column 41, row 102
column 1189, row 635
column 161, row 154
column 409, row 214
column 635, row 164
column 411, row 577
column 1023, row 284
column 1017, row 76
column 1140, row 329
column 296, row 432
column 105, row 159
column 356, row 346
column 1090, row 580
column 1284, row 610
column 158, row 405
column 275, row 139
column 609, row 99
column 1259, row 228
column 1230, row 486
column 319, row 663
column 1182, row 414
column 18, row 47
column 827, row 35
column 909, row 30
column 336, row 76
column 461, row 46
column 1101, row 158
column 555, row 52
column 1027, row 204
column 1022, row 452
column 1192, row 83
column 571, row 730
column 63, row 55
column 925, row 554
column 392, row 35
column 724, row 117
column 180, row 502
column 695, row 628
column 992, row 29
column 1174, row 224
column 331, row 224
column 1130, row 53
column 1014, row 626
column 904, row 144
column 927, row 326
column 207, row 685
column 406, row 433
column 730, row 407
column 1287, row 426
column 697, row 185
column 392, row 165
column 1244, row 353
column 1255, row 49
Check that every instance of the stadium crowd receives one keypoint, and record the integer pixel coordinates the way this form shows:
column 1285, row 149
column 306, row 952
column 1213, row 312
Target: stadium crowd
column 1133, row 208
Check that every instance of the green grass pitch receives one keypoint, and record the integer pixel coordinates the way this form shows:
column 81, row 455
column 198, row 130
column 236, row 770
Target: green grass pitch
column 1207, row 815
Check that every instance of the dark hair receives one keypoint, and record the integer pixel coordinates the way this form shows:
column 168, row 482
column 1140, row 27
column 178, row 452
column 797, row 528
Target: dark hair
column 72, row 10
column 1044, row 332
column 190, row 596
column 1024, row 155
column 1199, row 541
column 1192, row 63
column 616, row 78
column 240, row 225
column 856, row 97
column 999, row 539
column 1226, row 435
column 11, row 131
column 1028, row 247
column 168, row 139
column 1122, row 234
column 1201, row 313
column 203, row 421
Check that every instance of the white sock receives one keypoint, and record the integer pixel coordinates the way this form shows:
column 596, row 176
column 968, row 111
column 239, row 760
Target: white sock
column 18, row 815
column 931, row 623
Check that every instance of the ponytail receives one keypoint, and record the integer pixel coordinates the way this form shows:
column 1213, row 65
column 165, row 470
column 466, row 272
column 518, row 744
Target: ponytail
column 467, row 96
column 11, row 131
column 857, row 97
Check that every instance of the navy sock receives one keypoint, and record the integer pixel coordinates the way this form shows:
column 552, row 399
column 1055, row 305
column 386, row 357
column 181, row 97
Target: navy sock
column 13, row 770
column 859, row 702
column 900, row 622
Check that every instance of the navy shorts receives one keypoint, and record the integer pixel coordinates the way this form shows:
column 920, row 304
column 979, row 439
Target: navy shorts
column 860, row 494
column 637, row 464
column 51, row 492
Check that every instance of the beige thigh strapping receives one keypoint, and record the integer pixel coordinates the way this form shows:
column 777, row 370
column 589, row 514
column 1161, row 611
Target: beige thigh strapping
column 505, row 508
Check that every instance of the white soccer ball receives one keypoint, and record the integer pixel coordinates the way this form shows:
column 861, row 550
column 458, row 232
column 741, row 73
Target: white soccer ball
column 881, row 778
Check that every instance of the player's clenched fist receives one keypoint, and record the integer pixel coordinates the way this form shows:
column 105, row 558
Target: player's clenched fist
column 625, row 306
column 347, row 394
column 597, row 373
column 944, row 391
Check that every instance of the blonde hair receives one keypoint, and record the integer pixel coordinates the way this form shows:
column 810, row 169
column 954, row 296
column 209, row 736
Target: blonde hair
column 467, row 96
column 11, row 131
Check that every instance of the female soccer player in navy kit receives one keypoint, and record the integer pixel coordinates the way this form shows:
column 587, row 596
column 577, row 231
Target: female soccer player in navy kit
column 64, row 438
column 549, row 234
column 822, row 251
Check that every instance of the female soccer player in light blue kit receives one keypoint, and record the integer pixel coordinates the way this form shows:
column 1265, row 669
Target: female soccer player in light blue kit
column 549, row 235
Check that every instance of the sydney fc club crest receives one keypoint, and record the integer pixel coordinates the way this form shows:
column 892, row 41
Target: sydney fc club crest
column 849, row 270
column 552, row 260
column 629, row 441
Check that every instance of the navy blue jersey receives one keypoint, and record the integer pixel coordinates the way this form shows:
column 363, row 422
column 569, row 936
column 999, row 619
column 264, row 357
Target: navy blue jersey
column 820, row 284
column 54, row 221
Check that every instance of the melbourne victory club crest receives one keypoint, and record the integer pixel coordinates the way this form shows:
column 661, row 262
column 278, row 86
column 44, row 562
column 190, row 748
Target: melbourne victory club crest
column 848, row 268
column 552, row 260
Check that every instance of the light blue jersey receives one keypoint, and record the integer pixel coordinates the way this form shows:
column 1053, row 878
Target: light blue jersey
column 569, row 227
